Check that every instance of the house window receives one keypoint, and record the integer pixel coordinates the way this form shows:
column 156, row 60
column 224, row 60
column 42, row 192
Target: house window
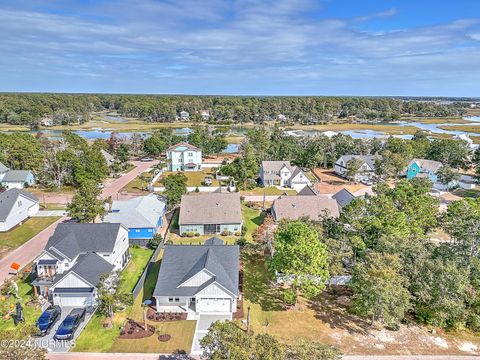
column 190, row 154
column 170, row 299
column 150, row 230
column 177, row 299
column 19, row 203
column 137, row 230
column 192, row 300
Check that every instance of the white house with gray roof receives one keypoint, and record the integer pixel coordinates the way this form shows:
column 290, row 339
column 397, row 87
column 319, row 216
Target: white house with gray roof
column 15, row 207
column 17, row 179
column 199, row 279
column 211, row 213
column 3, row 171
column 366, row 166
column 282, row 173
column 76, row 256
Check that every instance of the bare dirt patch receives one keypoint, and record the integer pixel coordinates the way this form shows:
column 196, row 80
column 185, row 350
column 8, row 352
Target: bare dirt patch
column 331, row 183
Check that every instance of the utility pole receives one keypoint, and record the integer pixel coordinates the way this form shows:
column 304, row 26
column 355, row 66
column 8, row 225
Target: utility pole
column 248, row 319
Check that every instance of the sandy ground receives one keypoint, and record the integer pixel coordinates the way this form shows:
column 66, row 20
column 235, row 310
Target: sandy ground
column 331, row 183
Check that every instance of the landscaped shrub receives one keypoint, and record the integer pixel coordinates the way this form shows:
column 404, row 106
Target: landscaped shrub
column 289, row 297
column 237, row 233
column 189, row 234
column 226, row 233
column 241, row 242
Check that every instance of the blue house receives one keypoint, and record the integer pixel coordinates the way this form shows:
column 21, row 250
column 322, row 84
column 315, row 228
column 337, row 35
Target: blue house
column 142, row 216
column 423, row 168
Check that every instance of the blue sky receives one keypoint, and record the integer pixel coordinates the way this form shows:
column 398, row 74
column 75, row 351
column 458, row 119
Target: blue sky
column 278, row 47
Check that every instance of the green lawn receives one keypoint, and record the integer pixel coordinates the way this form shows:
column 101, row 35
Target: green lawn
column 471, row 193
column 199, row 240
column 139, row 184
column 134, row 269
column 194, row 178
column 53, row 206
column 20, row 234
column 269, row 190
column 31, row 313
column 181, row 342
column 252, row 218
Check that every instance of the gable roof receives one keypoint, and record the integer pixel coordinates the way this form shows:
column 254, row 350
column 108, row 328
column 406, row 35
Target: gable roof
column 429, row 165
column 210, row 208
column 367, row 159
column 72, row 239
column 183, row 144
column 307, row 190
column 107, row 156
column 89, row 267
column 296, row 207
column 3, row 168
column 16, row 176
column 343, row 197
column 139, row 212
column 9, row 198
column 182, row 262
column 275, row 165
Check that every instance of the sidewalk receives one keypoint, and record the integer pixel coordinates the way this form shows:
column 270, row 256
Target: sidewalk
column 26, row 253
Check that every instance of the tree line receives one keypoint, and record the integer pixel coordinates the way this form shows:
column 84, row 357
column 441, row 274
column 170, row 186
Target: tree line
column 267, row 143
column 66, row 109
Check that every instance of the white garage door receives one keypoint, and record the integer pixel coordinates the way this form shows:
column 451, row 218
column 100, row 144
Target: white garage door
column 73, row 300
column 208, row 305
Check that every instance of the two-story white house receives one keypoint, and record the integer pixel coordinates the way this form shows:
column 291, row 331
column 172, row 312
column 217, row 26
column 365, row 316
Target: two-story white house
column 69, row 269
column 366, row 166
column 199, row 279
column 282, row 173
column 15, row 207
column 184, row 157
column 184, row 115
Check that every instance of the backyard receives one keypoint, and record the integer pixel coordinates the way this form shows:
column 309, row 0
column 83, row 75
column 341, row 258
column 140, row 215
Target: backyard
column 17, row 236
column 327, row 320
column 269, row 190
column 194, row 178
column 139, row 184
column 252, row 218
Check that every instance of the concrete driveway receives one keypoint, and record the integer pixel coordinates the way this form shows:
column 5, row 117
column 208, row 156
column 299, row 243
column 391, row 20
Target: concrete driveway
column 203, row 323
column 52, row 345
column 45, row 213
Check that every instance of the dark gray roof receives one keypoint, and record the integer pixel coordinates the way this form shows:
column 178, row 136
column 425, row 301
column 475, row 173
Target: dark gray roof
column 72, row 239
column 16, row 175
column 307, row 191
column 3, row 168
column 343, row 197
column 8, row 200
column 91, row 267
column 367, row 159
column 214, row 241
column 181, row 262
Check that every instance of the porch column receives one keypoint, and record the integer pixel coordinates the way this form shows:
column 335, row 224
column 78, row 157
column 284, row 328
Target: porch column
column 35, row 291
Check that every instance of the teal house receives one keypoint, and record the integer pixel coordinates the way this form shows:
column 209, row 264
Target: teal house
column 423, row 168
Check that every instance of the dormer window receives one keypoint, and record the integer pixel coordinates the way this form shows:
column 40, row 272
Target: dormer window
column 19, row 203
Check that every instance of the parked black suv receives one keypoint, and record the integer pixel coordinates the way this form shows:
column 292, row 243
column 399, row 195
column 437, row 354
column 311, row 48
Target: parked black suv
column 48, row 318
column 67, row 328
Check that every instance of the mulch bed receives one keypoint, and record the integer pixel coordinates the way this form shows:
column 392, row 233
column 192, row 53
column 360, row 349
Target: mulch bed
column 239, row 314
column 134, row 330
column 164, row 337
column 152, row 315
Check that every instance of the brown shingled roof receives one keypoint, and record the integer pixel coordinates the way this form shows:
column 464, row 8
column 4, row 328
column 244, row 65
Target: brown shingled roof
column 296, row 207
column 210, row 208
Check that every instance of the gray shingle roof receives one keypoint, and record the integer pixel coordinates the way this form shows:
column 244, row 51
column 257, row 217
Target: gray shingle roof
column 139, row 212
column 296, row 207
column 210, row 208
column 16, row 176
column 368, row 159
column 8, row 200
column 72, row 239
column 275, row 165
column 89, row 267
column 3, row 168
column 429, row 165
column 343, row 197
column 181, row 262
column 307, row 191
